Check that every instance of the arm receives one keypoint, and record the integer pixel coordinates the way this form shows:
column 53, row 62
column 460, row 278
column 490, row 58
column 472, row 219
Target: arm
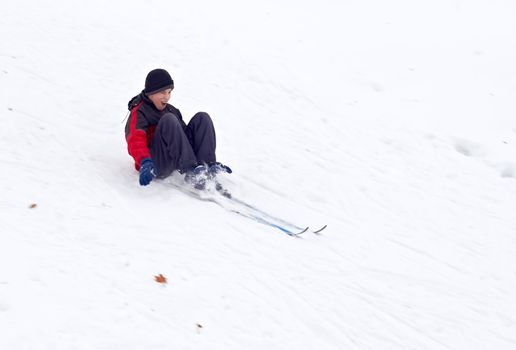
column 136, row 136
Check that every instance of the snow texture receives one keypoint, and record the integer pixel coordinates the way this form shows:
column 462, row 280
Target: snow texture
column 391, row 121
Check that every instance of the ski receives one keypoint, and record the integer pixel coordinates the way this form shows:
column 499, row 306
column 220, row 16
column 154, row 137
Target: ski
column 319, row 230
column 283, row 226
column 272, row 224
column 225, row 193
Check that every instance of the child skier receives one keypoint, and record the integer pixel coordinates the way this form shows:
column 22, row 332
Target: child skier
column 159, row 140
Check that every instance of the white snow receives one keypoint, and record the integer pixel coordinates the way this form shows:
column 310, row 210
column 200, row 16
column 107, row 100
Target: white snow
column 391, row 121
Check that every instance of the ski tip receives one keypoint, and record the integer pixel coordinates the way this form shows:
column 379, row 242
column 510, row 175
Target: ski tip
column 301, row 232
column 321, row 229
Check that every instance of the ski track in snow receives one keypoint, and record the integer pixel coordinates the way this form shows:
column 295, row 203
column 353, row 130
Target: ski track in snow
column 397, row 134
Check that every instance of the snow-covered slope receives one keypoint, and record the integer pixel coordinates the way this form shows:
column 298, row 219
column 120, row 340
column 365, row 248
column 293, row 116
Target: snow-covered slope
column 392, row 122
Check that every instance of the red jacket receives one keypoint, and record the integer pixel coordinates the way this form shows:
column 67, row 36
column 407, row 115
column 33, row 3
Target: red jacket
column 141, row 124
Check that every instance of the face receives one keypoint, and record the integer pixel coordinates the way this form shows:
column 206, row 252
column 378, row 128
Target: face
column 160, row 98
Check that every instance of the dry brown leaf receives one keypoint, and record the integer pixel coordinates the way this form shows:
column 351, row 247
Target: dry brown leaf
column 160, row 279
column 33, row 206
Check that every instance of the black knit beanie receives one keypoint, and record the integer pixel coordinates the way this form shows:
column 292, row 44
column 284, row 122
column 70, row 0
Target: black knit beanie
column 158, row 80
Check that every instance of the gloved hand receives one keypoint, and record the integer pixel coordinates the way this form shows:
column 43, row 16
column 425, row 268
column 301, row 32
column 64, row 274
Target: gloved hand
column 147, row 171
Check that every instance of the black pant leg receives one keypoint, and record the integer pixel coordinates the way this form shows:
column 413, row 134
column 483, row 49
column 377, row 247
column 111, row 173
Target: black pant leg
column 170, row 147
column 201, row 133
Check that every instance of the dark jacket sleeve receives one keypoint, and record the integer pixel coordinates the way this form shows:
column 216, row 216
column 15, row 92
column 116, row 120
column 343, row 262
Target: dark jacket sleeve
column 136, row 136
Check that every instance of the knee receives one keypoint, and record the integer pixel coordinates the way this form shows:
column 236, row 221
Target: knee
column 202, row 117
column 169, row 120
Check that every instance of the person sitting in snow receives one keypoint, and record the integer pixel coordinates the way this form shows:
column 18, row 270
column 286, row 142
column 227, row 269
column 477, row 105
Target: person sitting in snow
column 159, row 140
